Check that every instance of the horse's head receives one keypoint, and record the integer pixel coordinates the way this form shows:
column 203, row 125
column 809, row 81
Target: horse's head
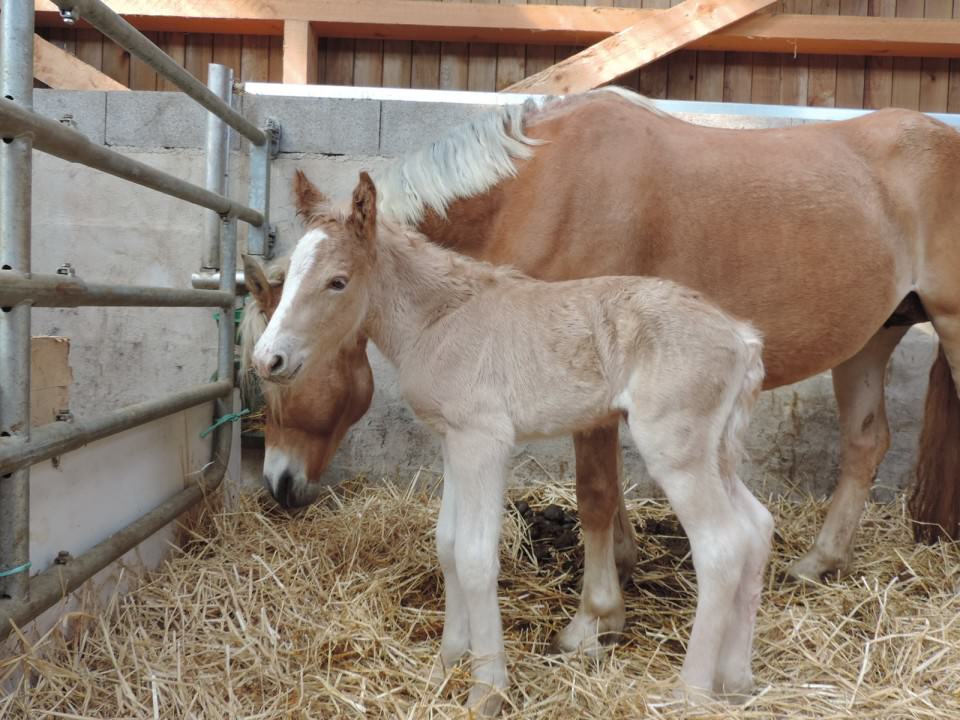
column 324, row 299
column 310, row 409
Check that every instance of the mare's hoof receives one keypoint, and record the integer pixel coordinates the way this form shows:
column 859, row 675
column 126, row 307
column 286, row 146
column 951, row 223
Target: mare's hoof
column 813, row 570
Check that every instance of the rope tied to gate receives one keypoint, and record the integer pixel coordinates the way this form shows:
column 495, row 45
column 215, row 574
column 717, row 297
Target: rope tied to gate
column 16, row 570
column 228, row 418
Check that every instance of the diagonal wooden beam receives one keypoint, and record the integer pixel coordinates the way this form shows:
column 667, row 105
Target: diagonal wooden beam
column 638, row 45
column 63, row 71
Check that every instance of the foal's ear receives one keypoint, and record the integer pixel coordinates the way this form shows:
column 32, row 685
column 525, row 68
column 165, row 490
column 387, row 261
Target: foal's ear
column 312, row 205
column 363, row 213
column 255, row 279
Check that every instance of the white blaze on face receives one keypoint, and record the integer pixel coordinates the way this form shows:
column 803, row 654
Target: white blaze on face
column 300, row 264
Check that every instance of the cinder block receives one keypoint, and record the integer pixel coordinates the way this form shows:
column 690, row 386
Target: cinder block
column 83, row 111
column 407, row 126
column 155, row 120
column 327, row 126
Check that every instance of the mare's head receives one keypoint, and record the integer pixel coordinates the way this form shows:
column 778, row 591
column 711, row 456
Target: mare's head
column 312, row 402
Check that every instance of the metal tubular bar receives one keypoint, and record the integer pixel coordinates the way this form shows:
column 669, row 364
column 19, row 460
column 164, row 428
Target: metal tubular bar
column 65, row 291
column 47, row 588
column 57, row 139
column 60, row 437
column 130, row 39
column 51, row 585
column 16, row 171
column 220, row 82
column 211, row 281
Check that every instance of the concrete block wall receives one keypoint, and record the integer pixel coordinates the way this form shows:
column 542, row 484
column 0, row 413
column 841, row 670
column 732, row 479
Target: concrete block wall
column 113, row 231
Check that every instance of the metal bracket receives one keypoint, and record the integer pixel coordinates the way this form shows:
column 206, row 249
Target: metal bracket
column 274, row 131
column 67, row 269
column 69, row 16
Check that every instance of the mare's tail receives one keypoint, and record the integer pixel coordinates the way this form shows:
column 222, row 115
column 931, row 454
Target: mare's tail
column 934, row 500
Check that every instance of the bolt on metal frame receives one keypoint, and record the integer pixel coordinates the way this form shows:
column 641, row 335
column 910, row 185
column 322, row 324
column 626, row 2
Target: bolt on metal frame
column 22, row 597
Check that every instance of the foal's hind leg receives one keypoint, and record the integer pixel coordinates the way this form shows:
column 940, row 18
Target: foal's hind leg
column 858, row 384
column 681, row 457
column 598, row 479
column 598, row 491
column 734, row 674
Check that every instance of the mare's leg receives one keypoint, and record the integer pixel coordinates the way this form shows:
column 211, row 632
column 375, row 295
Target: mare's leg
column 478, row 469
column 598, row 491
column 456, row 628
column 865, row 436
column 598, row 478
column 734, row 674
column 608, row 539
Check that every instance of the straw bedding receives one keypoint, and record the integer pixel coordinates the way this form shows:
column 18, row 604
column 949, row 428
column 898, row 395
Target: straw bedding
column 337, row 613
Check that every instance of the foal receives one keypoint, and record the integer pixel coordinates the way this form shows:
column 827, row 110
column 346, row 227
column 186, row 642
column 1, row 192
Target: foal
column 487, row 357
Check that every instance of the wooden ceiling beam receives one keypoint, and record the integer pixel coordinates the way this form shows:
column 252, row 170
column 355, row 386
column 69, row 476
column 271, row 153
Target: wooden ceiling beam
column 531, row 24
column 637, row 46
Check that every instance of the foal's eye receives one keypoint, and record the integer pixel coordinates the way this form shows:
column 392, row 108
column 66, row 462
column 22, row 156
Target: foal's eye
column 338, row 283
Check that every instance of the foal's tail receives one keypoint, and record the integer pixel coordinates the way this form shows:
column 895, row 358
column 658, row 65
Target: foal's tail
column 935, row 499
column 731, row 445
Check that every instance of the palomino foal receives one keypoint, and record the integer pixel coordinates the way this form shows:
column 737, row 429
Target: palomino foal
column 487, row 357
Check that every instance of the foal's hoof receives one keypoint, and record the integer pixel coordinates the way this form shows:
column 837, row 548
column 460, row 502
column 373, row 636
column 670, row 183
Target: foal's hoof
column 692, row 695
column 735, row 691
column 485, row 700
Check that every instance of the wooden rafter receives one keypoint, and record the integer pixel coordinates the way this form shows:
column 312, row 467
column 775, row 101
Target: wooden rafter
column 63, row 71
column 531, row 24
column 300, row 59
column 638, row 45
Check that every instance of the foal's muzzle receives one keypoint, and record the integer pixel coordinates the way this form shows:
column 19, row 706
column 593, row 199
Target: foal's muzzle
column 278, row 369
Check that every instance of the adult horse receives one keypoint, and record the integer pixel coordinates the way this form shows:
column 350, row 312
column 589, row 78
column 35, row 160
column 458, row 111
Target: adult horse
column 831, row 238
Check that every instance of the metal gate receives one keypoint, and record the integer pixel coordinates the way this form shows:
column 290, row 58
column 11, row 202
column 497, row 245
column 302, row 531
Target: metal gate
column 22, row 130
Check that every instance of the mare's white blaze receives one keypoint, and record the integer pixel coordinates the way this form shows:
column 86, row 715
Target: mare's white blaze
column 301, row 261
column 276, row 462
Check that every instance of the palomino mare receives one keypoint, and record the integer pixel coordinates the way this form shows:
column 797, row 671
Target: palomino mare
column 487, row 357
column 831, row 238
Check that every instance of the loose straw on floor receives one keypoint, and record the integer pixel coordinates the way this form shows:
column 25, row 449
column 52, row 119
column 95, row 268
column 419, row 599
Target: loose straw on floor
column 338, row 611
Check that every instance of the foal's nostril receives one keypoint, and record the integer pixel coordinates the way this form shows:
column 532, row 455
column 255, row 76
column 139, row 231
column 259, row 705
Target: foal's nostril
column 277, row 364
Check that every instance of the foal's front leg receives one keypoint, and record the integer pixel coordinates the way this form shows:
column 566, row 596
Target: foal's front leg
column 456, row 628
column 477, row 466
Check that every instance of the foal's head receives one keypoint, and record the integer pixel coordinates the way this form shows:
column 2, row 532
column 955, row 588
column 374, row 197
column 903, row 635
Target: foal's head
column 324, row 298
column 308, row 415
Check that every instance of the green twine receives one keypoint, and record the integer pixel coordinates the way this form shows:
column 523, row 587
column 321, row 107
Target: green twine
column 15, row 570
column 228, row 418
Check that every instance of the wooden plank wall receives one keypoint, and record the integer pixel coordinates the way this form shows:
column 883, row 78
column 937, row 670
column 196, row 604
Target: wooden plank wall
column 853, row 82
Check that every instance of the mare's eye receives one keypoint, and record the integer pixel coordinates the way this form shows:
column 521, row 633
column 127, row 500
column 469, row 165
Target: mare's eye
column 338, row 283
